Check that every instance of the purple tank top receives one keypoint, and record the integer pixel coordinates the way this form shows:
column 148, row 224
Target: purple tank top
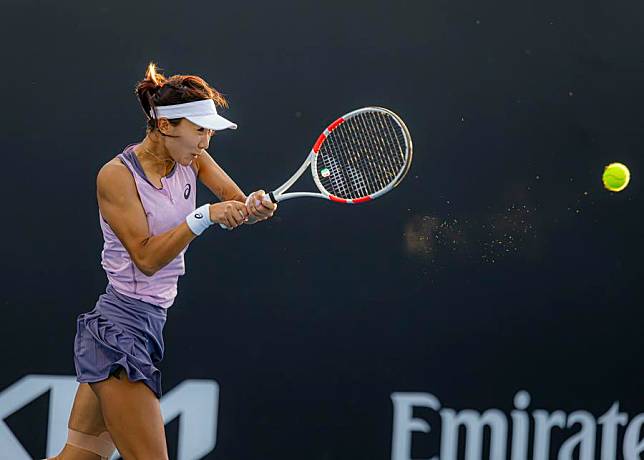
column 165, row 208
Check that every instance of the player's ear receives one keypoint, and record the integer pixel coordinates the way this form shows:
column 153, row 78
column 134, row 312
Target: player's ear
column 163, row 125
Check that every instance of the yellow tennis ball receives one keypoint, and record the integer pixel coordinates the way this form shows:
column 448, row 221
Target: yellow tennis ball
column 616, row 177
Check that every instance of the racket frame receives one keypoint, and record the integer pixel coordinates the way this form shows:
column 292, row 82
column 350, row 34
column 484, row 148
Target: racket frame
column 311, row 160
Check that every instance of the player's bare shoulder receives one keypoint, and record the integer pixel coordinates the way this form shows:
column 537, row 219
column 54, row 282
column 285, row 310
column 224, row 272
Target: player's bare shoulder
column 114, row 181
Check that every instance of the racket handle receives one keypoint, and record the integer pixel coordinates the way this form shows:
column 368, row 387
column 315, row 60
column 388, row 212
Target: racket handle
column 271, row 197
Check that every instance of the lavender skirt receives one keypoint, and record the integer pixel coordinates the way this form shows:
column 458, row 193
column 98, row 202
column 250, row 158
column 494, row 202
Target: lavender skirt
column 120, row 332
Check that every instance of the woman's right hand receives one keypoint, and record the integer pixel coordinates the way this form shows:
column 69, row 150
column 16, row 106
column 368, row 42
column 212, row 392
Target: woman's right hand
column 228, row 213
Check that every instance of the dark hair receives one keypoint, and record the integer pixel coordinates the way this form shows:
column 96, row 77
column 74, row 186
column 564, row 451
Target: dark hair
column 156, row 90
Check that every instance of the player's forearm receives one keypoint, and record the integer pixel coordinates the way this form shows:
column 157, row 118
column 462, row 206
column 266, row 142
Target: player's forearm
column 157, row 251
column 231, row 192
column 217, row 180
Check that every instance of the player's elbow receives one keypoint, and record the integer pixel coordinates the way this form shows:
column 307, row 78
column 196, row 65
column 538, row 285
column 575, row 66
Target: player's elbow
column 146, row 266
column 147, row 270
column 146, row 259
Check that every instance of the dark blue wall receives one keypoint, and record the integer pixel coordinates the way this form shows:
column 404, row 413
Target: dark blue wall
column 500, row 264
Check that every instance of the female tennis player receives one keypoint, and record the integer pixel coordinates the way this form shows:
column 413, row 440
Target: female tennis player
column 146, row 198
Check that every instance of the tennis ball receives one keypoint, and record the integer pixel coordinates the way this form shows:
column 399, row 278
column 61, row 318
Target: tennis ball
column 616, row 177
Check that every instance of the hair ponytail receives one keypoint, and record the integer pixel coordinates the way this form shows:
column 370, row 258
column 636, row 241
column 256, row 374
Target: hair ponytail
column 147, row 91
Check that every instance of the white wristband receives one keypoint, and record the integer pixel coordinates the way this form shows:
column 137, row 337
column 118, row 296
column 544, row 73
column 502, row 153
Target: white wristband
column 199, row 219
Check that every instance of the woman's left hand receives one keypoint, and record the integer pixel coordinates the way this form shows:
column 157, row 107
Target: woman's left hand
column 260, row 207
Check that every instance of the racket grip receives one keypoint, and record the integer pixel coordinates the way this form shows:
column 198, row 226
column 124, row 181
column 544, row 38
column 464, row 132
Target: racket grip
column 270, row 197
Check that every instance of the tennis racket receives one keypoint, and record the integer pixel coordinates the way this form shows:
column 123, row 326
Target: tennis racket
column 359, row 157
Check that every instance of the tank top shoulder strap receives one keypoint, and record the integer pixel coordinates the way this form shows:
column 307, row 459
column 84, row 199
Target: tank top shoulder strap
column 127, row 160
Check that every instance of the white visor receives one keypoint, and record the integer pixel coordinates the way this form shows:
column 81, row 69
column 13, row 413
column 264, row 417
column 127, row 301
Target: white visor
column 202, row 113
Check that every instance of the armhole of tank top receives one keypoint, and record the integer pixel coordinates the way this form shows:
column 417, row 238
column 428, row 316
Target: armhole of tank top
column 126, row 163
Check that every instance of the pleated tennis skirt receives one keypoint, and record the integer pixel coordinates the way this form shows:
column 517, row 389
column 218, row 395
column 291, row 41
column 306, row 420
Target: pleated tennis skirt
column 120, row 332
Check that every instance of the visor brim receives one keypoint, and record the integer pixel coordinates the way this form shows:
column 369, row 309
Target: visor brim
column 216, row 122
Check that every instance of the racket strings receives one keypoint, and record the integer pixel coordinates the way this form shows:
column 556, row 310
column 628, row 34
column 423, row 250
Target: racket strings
column 387, row 157
column 347, row 147
column 362, row 156
column 383, row 161
column 359, row 130
column 356, row 151
column 352, row 143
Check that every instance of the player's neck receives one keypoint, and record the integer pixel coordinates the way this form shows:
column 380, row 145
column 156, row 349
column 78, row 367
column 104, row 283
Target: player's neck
column 154, row 158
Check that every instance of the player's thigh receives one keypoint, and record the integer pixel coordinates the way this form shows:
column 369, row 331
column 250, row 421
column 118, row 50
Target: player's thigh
column 132, row 414
column 86, row 415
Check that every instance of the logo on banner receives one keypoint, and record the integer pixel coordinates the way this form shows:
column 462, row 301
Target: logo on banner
column 580, row 429
column 196, row 402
